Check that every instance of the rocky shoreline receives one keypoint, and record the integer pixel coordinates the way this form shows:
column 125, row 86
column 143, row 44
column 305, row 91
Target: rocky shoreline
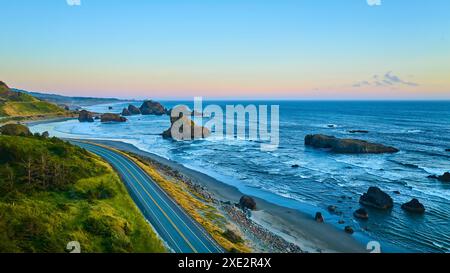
column 267, row 240
column 262, row 240
column 275, row 228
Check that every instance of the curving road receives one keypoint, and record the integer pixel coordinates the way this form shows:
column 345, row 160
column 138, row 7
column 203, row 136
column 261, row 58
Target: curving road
column 174, row 226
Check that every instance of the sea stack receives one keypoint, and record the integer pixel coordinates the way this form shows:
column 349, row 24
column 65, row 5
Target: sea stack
column 443, row 178
column 126, row 112
column 414, row 206
column 376, row 198
column 347, row 146
column 85, row 116
column 134, row 110
column 185, row 129
column 108, row 117
column 150, row 107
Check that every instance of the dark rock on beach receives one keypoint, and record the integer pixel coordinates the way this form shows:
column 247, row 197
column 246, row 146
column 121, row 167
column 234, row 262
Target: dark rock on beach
column 246, row 202
column 376, row 198
column 361, row 214
column 85, row 116
column 414, row 206
column 443, row 178
column 319, row 217
column 347, row 146
column 150, row 107
column 108, row 117
column 332, row 209
column 349, row 230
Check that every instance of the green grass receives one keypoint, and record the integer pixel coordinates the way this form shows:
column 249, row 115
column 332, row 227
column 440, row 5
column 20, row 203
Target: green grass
column 17, row 104
column 75, row 197
column 14, row 109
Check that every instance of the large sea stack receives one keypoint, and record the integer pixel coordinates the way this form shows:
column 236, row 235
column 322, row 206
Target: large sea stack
column 126, row 112
column 185, row 129
column 347, row 146
column 85, row 116
column 134, row 110
column 108, row 117
column 150, row 107
column 376, row 198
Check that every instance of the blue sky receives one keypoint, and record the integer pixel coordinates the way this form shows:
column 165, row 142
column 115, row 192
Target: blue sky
column 245, row 48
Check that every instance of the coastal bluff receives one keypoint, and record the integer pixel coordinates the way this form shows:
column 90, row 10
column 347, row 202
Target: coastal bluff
column 347, row 146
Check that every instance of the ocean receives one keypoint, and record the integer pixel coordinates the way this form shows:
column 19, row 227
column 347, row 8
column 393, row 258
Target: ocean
column 419, row 129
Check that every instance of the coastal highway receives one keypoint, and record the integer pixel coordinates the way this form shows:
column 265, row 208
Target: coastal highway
column 181, row 233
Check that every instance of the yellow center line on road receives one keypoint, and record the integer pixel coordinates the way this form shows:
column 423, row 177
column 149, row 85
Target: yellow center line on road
column 134, row 166
column 165, row 214
column 154, row 201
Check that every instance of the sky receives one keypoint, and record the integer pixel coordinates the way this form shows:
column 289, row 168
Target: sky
column 299, row 49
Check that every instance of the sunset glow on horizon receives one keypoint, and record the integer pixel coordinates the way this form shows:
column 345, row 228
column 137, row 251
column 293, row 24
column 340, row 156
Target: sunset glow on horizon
column 228, row 49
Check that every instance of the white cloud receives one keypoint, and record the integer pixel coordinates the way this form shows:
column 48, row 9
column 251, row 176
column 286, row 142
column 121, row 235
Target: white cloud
column 386, row 80
column 374, row 2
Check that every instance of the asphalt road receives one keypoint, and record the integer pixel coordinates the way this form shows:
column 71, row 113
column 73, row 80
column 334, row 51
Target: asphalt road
column 181, row 233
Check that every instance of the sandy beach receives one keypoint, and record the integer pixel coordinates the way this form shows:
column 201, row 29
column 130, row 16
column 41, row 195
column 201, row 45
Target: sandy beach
column 292, row 225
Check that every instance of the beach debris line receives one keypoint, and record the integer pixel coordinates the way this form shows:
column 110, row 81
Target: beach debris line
column 266, row 239
column 347, row 146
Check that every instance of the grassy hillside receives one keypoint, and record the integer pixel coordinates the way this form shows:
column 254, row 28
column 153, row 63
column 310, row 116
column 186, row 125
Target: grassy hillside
column 52, row 192
column 71, row 101
column 17, row 104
